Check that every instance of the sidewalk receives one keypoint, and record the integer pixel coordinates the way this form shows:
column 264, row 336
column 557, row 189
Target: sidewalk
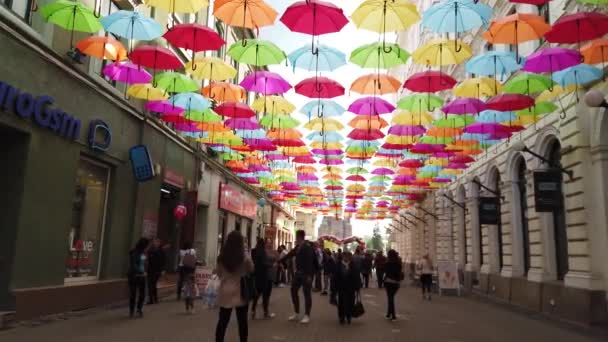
column 445, row 319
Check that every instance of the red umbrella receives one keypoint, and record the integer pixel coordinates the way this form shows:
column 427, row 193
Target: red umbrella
column 319, row 87
column 429, row 81
column 314, row 17
column 510, row 102
column 195, row 37
column 288, row 142
column 578, row 27
column 530, row 2
column 390, row 146
column 355, row 178
column 411, row 163
column 366, row 134
column 235, row 110
column 155, row 57
column 304, row 160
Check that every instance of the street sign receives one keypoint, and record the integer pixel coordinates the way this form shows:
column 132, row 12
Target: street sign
column 548, row 190
column 489, row 210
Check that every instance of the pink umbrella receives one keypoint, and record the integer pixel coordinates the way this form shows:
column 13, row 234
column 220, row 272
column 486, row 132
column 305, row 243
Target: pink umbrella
column 258, row 168
column 355, row 178
column 390, row 146
column 242, row 123
column 510, row 102
column 442, row 180
column 366, row 134
column 427, row 148
column 319, row 87
column 307, row 177
column 251, row 180
column 163, row 107
column 265, row 82
column 406, row 130
column 326, row 161
column 326, row 152
column 127, row 72
column 371, row 105
column 260, row 144
column 485, row 128
column 304, row 160
column 276, row 157
column 334, row 187
column 459, row 166
column 552, row 59
column 383, row 171
column 464, row 106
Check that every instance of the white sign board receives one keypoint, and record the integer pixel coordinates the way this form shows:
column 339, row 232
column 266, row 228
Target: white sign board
column 202, row 276
column 447, row 274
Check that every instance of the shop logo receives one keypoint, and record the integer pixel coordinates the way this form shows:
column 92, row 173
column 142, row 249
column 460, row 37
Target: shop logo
column 100, row 135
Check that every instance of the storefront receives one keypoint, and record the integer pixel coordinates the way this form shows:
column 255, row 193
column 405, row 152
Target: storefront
column 239, row 213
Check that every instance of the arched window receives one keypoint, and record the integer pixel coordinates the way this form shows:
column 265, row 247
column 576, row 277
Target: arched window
column 559, row 220
column 463, row 224
column 523, row 210
column 496, row 188
column 479, row 227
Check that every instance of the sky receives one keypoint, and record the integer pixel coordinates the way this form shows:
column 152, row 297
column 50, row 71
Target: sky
column 346, row 41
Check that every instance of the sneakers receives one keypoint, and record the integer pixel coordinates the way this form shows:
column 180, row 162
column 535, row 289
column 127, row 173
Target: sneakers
column 294, row 317
column 269, row 316
column 305, row 320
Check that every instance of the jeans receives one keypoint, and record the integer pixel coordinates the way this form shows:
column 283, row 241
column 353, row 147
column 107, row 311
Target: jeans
column 380, row 276
column 326, row 277
column 318, row 284
column 304, row 281
column 152, row 287
column 427, row 282
column 137, row 288
column 224, row 319
column 265, row 291
column 346, row 303
column 182, row 273
column 391, row 290
column 365, row 280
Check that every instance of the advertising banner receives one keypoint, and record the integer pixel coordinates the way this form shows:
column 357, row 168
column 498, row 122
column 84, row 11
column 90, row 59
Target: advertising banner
column 202, row 276
column 447, row 274
column 489, row 210
column 548, row 190
column 231, row 199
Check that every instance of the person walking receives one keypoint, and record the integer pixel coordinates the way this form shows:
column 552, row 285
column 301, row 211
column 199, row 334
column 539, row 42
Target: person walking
column 187, row 254
column 305, row 269
column 392, row 282
column 156, row 267
column 319, row 273
column 366, row 268
column 263, row 282
column 232, row 267
column 348, row 283
column 137, row 277
column 426, row 269
column 380, row 266
column 328, row 269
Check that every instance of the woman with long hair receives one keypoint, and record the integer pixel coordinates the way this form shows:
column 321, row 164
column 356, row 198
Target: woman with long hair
column 392, row 281
column 137, row 276
column 232, row 266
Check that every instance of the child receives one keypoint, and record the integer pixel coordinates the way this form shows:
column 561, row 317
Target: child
column 189, row 292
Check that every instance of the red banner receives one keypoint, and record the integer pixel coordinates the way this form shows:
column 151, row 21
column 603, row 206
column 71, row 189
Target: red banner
column 231, row 199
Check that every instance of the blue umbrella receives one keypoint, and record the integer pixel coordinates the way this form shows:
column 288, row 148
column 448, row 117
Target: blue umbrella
column 327, row 59
column 190, row 101
column 494, row 63
column 132, row 25
column 363, row 143
column 327, row 136
column 578, row 75
column 456, row 16
column 251, row 133
column 327, row 108
column 494, row 116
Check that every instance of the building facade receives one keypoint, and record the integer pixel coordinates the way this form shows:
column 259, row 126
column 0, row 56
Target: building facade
column 337, row 227
column 545, row 256
column 307, row 222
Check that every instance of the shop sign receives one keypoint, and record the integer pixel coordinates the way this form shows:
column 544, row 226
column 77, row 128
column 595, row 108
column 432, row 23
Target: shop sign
column 548, row 190
column 150, row 225
column 489, row 210
column 231, row 199
column 202, row 275
column 173, row 178
column 40, row 110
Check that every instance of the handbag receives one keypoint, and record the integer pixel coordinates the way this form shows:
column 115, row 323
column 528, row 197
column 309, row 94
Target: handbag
column 248, row 289
column 358, row 309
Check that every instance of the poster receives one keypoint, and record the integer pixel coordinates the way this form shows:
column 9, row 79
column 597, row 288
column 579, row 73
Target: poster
column 150, row 225
column 548, row 195
column 447, row 273
column 202, row 276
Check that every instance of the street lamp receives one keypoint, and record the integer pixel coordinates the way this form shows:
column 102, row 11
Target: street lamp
column 595, row 99
column 521, row 147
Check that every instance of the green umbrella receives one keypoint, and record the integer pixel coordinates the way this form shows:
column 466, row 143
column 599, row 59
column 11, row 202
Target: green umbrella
column 360, row 149
column 72, row 16
column 231, row 156
column 380, row 178
column 436, row 140
column 174, row 82
column 333, row 182
column 540, row 108
column 417, row 103
column 594, row 2
column 528, row 83
column 456, row 121
column 285, row 179
column 375, row 56
column 256, row 52
column 279, row 121
column 208, row 115
column 356, row 171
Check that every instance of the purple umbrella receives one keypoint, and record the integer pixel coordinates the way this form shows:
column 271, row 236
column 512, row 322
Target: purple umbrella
column 164, row 107
column 460, row 166
column 331, row 161
column 445, row 154
column 402, row 130
column 371, row 105
column 383, row 171
column 257, row 167
column 242, row 123
column 276, row 157
column 441, row 180
column 127, row 72
column 307, row 177
column 265, row 82
column 326, row 152
column 464, row 106
column 485, row 128
column 552, row 60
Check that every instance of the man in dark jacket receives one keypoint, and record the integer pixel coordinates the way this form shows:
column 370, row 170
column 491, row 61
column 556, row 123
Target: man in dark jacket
column 328, row 270
column 380, row 265
column 156, row 267
column 306, row 266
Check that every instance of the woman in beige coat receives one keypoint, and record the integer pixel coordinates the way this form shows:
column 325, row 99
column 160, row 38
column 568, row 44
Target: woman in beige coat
column 233, row 264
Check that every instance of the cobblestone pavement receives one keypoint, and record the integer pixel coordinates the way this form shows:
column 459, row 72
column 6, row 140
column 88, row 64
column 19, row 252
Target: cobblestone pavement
column 445, row 319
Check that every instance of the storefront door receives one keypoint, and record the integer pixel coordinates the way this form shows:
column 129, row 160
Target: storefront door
column 167, row 230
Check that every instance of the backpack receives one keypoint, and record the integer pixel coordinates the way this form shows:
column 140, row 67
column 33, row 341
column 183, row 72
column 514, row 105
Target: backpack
column 189, row 260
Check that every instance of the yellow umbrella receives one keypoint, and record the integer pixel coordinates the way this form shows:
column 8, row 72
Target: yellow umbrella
column 178, row 6
column 282, row 172
column 273, row 105
column 146, row 92
column 437, row 161
column 523, row 120
column 210, row 68
column 306, row 169
column 332, row 169
column 332, row 176
column 408, row 118
column 327, row 145
column 355, row 187
column 385, row 162
column 324, row 124
column 478, row 87
column 405, row 139
column 295, row 151
column 385, row 16
column 555, row 92
column 439, row 52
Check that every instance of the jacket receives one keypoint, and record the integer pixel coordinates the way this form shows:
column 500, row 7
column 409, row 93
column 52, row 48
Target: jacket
column 156, row 261
column 347, row 278
column 229, row 292
column 305, row 257
column 394, row 272
column 380, row 263
column 366, row 264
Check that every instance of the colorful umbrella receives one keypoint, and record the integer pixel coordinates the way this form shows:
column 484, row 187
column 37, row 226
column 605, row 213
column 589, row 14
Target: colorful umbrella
column 429, row 82
column 163, row 107
column 324, row 125
column 265, row 82
column 478, row 87
column 368, row 122
column 578, row 27
column 539, row 108
column 366, row 134
column 174, row 82
column 494, row 63
column 326, row 58
column 325, row 108
column 224, row 91
column 248, row 123
column 371, row 106
column 251, row 14
column 454, row 121
column 407, row 118
column 456, row 16
column 127, row 73
column 464, row 106
column 178, row 6
column 146, row 92
column 375, row 84
column 595, row 52
column 526, row 83
column 379, row 56
column 515, row 29
column 578, row 75
column 235, row 110
column 194, row 37
column 319, row 87
column 210, row 68
column 420, row 103
column 492, row 116
column 273, row 105
column 509, row 102
column 131, row 25
column 102, row 47
column 155, row 57
column 72, row 16
column 552, row 60
column 256, row 52
column 190, row 102
column 440, row 52
column 279, row 121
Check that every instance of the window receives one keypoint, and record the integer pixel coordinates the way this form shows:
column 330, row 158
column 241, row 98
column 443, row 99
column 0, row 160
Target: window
column 523, row 209
column 85, row 239
column 559, row 221
column 479, row 229
column 23, row 8
column 499, row 225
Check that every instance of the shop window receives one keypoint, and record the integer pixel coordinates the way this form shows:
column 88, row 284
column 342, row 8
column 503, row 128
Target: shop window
column 499, row 225
column 523, row 212
column 22, row 8
column 85, row 239
column 479, row 228
column 559, row 221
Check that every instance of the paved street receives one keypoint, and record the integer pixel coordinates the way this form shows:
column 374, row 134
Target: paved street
column 446, row 319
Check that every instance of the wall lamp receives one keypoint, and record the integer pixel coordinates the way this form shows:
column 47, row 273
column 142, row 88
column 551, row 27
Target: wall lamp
column 428, row 212
column 595, row 99
column 494, row 192
column 462, row 206
column 416, row 217
column 521, row 147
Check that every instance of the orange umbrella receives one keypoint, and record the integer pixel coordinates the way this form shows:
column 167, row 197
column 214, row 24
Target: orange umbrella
column 595, row 52
column 213, row 127
column 367, row 122
column 375, row 84
column 251, row 14
column 306, row 169
column 290, row 133
column 516, row 28
column 443, row 132
column 407, row 171
column 103, row 48
column 224, row 92
column 242, row 148
column 332, row 176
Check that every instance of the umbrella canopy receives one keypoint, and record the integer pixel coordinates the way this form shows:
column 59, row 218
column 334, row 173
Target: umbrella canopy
column 178, row 6
column 273, row 121
column 595, row 52
column 163, row 107
column 464, row 106
column 190, row 102
column 385, row 16
column 146, row 92
column 210, row 68
column 256, row 52
column 509, row 102
column 578, row 75
column 273, row 105
column 235, row 110
column 194, row 37
column 155, row 57
column 174, row 82
column 131, row 25
column 420, row 103
column 71, row 15
column 439, row 52
column 456, row 16
column 429, row 82
column 127, row 73
column 326, row 108
column 265, row 82
column 478, row 87
column 539, row 108
column 552, row 60
column 324, row 125
column 251, row 14
column 368, row 122
column 319, row 87
column 325, row 59
column 379, row 56
column 314, row 17
column 526, row 83
column 494, row 63
column 102, row 48
column 371, row 106
column 516, row 28
column 375, row 84
column 224, row 91
column 407, row 118
column 578, row 27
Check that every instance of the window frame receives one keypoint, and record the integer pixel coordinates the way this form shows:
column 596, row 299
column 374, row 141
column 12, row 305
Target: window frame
column 27, row 18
